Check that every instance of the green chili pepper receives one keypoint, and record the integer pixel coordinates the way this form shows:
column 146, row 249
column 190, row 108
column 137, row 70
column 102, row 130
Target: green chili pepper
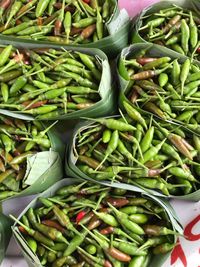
column 32, row 244
column 156, row 63
column 13, row 11
column 193, row 32
column 153, row 23
column 184, row 73
column 163, row 248
column 151, row 152
column 19, row 83
column 64, row 220
column 41, row 7
column 179, row 172
column 112, row 145
column 163, row 79
column 123, row 220
column 67, row 24
column 50, row 232
column 153, row 184
column 5, row 92
column 76, row 241
column 4, row 56
column 185, row 31
column 155, row 230
column 134, row 114
column 36, row 235
column 115, row 124
column 147, row 140
column 107, row 218
column 137, row 261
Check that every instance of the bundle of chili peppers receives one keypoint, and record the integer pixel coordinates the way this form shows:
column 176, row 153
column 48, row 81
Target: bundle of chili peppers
column 19, row 140
column 91, row 225
column 141, row 151
column 59, row 21
column 174, row 27
column 165, row 87
column 47, row 83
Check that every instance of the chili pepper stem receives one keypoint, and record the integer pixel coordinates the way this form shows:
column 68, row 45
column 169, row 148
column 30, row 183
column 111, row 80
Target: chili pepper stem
column 42, row 133
column 20, row 223
column 193, row 53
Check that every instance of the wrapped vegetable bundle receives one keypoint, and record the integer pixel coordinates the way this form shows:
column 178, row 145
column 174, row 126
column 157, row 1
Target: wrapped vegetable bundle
column 29, row 157
column 47, row 84
column 137, row 150
column 65, row 22
column 159, row 83
column 171, row 24
column 80, row 224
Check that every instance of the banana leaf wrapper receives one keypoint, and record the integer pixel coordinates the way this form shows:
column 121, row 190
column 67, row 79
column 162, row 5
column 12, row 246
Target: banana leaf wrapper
column 135, row 37
column 5, row 234
column 44, row 168
column 125, row 83
column 72, row 170
column 118, row 34
column 106, row 90
column 33, row 260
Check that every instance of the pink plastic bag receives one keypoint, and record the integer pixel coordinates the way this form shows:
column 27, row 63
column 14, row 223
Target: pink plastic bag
column 135, row 6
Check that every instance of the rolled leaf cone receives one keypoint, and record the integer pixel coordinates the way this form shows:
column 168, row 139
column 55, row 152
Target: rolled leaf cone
column 125, row 83
column 45, row 167
column 71, row 169
column 136, row 22
column 118, row 34
column 105, row 106
column 32, row 258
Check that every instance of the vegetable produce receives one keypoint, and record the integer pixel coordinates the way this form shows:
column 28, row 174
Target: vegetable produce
column 166, row 87
column 174, row 27
column 107, row 232
column 47, row 83
column 20, row 143
column 58, row 21
column 155, row 155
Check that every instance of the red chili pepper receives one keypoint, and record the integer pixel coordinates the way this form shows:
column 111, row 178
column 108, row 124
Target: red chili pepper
column 86, row 1
column 39, row 21
column 107, row 230
column 57, row 27
column 198, row 50
column 107, row 264
column 18, row 22
column 94, row 223
column 188, row 230
column 54, row 224
column 118, row 255
column 80, row 216
column 34, row 105
column 118, row 202
column 144, row 60
column 75, row 31
column 5, row 4
column 22, row 230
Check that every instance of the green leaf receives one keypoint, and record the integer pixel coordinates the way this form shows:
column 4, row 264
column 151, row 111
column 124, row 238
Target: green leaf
column 5, row 234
